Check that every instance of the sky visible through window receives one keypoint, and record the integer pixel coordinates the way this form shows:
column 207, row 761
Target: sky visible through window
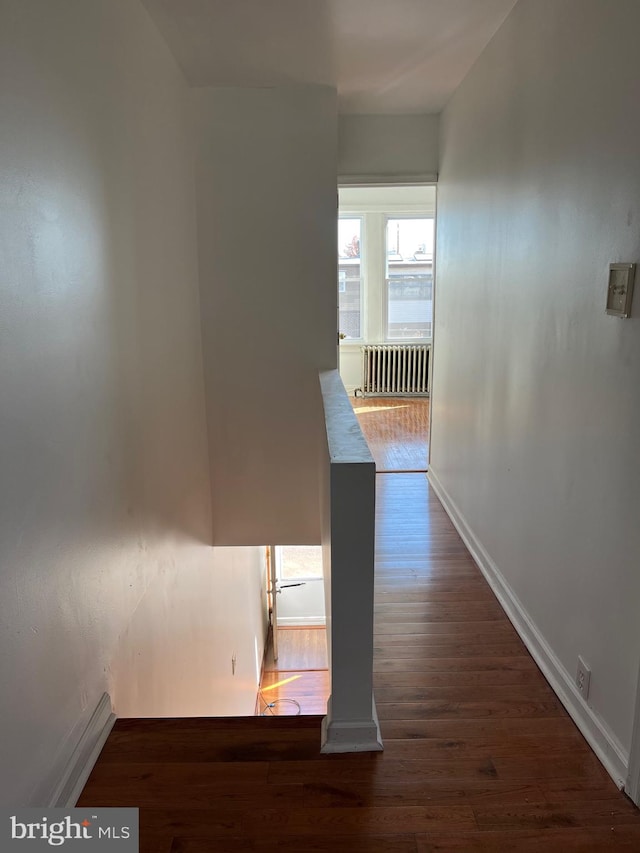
column 348, row 238
column 408, row 237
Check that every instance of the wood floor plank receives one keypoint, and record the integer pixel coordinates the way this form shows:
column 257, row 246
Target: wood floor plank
column 546, row 816
column 439, row 611
column 480, row 747
column 467, row 679
column 578, row 789
column 460, row 693
column 421, row 648
column 429, row 595
column 617, row 839
column 506, row 728
column 438, row 664
column 470, row 710
column 272, row 842
column 386, row 635
column 581, row 763
column 391, row 820
column 470, row 643
column 298, row 649
column 359, row 768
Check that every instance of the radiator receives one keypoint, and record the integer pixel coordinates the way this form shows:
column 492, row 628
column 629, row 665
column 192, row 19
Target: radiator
column 395, row 369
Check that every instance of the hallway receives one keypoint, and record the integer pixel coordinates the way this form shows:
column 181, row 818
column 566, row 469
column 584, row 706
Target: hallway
column 479, row 754
column 463, row 705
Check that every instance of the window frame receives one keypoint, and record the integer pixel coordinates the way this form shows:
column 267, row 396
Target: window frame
column 387, row 217
column 362, row 305
column 278, row 556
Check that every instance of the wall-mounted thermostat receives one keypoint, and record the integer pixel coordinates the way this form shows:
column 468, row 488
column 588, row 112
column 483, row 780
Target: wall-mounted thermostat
column 620, row 290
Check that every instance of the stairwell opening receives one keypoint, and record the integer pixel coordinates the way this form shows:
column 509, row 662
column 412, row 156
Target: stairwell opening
column 295, row 672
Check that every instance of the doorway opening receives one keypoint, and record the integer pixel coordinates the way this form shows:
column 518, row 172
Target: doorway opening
column 295, row 674
column 386, row 262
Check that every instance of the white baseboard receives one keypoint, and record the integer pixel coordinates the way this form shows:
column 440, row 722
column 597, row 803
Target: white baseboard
column 301, row 622
column 603, row 742
column 84, row 756
column 351, row 736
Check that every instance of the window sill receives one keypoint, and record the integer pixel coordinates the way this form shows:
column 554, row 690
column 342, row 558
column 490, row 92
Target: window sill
column 415, row 342
column 352, row 345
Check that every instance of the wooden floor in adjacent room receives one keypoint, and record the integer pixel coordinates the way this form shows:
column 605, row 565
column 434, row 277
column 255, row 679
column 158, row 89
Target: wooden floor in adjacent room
column 479, row 753
column 298, row 682
column 397, row 431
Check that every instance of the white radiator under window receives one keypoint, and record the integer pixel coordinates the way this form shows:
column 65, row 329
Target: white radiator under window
column 395, row 369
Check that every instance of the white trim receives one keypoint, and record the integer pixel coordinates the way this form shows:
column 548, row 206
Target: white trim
column 295, row 621
column 434, row 283
column 362, row 263
column 355, row 736
column 402, row 209
column 601, row 740
column 386, row 218
column 84, row 756
column 387, row 180
column 632, row 785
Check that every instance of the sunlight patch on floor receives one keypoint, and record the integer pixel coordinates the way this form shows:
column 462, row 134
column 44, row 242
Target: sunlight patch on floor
column 362, row 409
column 280, row 683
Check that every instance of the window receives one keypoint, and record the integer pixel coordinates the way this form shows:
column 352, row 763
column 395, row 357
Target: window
column 385, row 269
column 299, row 561
column 350, row 277
column 409, row 278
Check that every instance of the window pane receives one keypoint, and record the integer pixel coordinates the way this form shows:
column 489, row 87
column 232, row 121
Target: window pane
column 300, row 561
column 409, row 278
column 349, row 277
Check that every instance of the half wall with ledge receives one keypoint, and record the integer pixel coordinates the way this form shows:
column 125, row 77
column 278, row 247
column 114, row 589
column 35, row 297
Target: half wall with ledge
column 348, row 540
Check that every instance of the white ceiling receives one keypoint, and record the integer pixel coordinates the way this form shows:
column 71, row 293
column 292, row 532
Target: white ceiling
column 384, row 56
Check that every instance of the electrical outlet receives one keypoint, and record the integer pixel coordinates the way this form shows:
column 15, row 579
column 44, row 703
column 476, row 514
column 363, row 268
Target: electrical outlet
column 583, row 678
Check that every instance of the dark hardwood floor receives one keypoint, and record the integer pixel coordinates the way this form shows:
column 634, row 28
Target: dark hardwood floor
column 479, row 753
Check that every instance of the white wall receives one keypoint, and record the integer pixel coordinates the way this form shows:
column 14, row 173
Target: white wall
column 191, row 625
column 388, row 148
column 267, row 248
column 536, row 397
column 104, row 494
column 302, row 605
